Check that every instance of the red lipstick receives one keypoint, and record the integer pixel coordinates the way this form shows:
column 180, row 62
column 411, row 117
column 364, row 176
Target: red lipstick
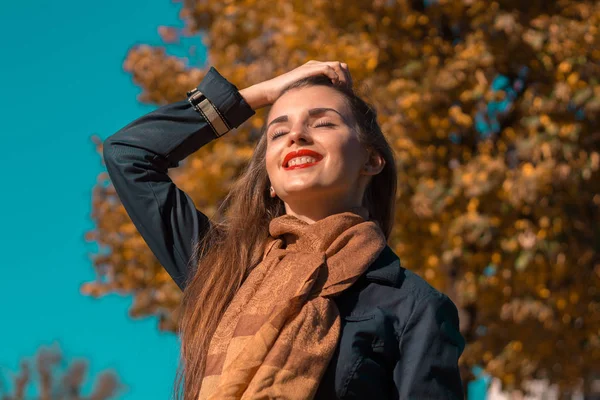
column 300, row 153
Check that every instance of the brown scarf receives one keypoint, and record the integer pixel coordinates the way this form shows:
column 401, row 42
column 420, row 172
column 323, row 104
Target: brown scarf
column 278, row 334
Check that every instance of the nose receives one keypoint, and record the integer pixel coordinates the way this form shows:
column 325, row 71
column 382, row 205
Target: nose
column 299, row 133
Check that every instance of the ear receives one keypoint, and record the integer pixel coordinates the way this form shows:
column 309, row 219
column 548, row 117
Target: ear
column 374, row 164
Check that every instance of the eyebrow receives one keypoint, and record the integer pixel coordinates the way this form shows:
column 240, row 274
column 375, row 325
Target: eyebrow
column 311, row 112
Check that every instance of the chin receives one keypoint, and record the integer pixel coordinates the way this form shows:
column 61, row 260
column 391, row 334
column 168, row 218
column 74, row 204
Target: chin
column 302, row 193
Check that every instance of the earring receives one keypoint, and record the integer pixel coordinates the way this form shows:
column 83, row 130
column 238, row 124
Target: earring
column 272, row 192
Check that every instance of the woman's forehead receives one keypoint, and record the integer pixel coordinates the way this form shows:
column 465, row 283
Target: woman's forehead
column 301, row 100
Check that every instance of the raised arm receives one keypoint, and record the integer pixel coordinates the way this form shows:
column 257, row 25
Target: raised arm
column 139, row 155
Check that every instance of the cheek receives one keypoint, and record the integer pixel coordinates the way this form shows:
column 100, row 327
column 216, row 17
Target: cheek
column 271, row 163
column 347, row 157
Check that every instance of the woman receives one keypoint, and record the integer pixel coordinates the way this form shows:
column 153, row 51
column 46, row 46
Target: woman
column 292, row 292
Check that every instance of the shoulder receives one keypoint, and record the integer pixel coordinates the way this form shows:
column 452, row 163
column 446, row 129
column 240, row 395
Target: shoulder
column 413, row 304
column 410, row 297
column 401, row 294
column 393, row 282
column 417, row 287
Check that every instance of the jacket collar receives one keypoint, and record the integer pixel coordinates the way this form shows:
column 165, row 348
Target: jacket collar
column 385, row 269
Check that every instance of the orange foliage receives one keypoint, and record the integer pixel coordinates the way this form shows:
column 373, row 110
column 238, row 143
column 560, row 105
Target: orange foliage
column 507, row 225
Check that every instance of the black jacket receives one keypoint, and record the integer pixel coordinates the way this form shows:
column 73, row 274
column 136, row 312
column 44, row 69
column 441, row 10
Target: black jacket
column 399, row 338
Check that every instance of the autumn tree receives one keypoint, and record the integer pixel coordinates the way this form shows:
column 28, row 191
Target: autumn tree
column 492, row 108
column 57, row 380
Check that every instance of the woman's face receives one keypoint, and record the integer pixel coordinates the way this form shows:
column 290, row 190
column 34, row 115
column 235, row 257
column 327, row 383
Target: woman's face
column 315, row 118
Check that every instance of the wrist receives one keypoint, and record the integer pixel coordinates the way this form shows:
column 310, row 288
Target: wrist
column 255, row 96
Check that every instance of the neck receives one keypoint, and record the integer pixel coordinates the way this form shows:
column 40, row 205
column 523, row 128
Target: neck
column 308, row 212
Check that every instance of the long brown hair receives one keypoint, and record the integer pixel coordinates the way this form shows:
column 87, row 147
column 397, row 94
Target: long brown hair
column 234, row 245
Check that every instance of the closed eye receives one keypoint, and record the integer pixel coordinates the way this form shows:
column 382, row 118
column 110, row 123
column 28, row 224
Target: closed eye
column 324, row 123
column 317, row 125
column 277, row 133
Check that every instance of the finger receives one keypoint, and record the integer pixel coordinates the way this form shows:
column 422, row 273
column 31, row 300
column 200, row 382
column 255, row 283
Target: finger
column 347, row 74
column 337, row 66
column 331, row 73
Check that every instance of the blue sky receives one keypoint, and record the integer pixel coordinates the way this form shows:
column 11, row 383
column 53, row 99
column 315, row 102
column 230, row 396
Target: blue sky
column 62, row 81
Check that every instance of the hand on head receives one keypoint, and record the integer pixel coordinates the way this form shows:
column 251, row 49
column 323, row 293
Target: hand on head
column 265, row 93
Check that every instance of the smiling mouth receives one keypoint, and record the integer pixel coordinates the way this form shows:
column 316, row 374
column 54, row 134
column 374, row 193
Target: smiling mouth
column 303, row 165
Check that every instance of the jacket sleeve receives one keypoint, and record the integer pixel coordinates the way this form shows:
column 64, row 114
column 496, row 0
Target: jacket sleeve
column 430, row 346
column 138, row 156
